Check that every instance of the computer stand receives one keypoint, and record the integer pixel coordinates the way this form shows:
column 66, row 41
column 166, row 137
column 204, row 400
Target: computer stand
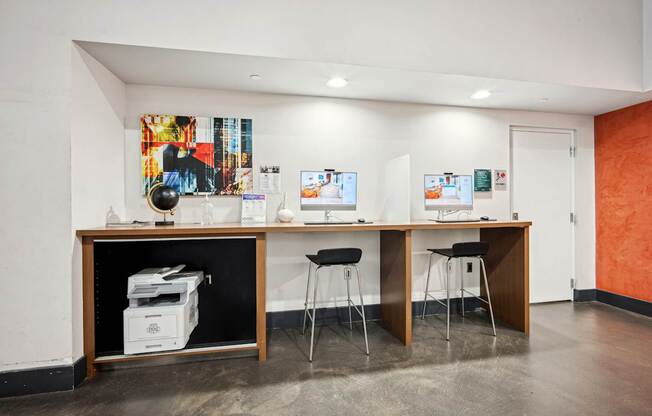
column 441, row 217
column 328, row 220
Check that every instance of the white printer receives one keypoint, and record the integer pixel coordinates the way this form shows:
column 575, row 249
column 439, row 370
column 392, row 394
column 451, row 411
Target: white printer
column 163, row 309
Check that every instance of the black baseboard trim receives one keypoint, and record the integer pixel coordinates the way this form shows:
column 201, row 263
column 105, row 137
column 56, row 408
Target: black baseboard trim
column 79, row 371
column 623, row 302
column 36, row 380
column 294, row 318
column 584, row 295
column 43, row 379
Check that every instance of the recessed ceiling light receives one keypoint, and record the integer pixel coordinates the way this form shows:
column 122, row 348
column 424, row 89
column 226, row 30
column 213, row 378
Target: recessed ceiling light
column 543, row 100
column 255, row 77
column 337, row 82
column 481, row 94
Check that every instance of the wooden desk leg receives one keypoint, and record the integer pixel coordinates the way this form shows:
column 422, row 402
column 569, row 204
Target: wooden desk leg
column 508, row 273
column 88, row 298
column 261, row 318
column 396, row 283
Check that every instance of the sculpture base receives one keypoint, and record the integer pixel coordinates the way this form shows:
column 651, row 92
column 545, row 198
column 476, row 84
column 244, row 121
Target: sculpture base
column 164, row 223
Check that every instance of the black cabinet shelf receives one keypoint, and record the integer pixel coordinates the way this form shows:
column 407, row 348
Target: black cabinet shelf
column 227, row 304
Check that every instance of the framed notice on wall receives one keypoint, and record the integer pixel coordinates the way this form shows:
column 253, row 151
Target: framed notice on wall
column 500, row 179
column 270, row 179
column 482, row 180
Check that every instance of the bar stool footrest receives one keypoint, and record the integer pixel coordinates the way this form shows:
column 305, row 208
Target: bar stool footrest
column 475, row 296
column 437, row 300
column 356, row 308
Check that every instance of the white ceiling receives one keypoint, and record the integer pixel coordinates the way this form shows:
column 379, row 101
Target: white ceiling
column 195, row 69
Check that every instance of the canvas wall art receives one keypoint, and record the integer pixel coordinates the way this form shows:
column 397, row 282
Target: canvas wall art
column 197, row 155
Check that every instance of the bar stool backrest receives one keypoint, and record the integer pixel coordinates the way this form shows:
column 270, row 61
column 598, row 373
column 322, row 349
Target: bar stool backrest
column 472, row 249
column 334, row 256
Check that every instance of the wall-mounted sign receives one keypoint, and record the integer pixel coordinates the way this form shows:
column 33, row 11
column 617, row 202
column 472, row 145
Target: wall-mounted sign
column 482, row 180
column 270, row 179
column 500, row 179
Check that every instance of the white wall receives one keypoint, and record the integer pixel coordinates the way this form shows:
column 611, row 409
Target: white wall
column 647, row 45
column 97, row 159
column 554, row 41
column 35, row 248
column 312, row 133
column 97, row 151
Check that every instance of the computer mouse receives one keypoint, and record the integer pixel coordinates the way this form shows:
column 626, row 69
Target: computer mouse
column 485, row 218
column 361, row 220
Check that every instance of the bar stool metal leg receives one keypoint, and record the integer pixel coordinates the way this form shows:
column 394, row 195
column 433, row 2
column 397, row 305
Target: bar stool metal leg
column 364, row 319
column 305, row 304
column 448, row 301
column 462, row 285
column 425, row 296
column 486, row 285
column 347, row 277
column 314, row 312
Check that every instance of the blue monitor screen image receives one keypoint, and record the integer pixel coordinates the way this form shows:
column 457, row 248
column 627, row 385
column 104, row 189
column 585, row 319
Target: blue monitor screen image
column 327, row 190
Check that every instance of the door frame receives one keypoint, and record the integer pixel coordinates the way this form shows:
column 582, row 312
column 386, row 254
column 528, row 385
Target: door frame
column 573, row 156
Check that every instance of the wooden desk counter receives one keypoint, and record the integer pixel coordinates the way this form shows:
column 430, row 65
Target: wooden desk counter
column 296, row 227
column 507, row 267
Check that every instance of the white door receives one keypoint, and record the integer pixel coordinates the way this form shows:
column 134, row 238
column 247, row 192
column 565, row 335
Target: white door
column 542, row 192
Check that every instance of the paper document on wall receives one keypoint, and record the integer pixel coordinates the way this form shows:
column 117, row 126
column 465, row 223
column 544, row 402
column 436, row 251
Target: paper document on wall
column 500, row 179
column 270, row 179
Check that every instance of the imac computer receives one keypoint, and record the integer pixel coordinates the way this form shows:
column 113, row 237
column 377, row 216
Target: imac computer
column 448, row 193
column 328, row 190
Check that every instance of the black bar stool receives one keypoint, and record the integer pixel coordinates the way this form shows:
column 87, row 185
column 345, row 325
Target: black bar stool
column 349, row 259
column 477, row 250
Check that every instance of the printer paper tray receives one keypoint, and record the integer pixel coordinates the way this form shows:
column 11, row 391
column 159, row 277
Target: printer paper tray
column 153, row 291
column 144, row 292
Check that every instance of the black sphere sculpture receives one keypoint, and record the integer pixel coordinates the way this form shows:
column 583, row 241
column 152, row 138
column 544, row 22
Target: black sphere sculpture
column 163, row 199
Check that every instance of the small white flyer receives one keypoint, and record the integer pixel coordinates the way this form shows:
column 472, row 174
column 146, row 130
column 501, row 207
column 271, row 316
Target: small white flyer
column 254, row 208
column 270, row 179
column 500, row 179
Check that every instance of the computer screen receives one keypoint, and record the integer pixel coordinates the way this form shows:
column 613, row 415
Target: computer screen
column 327, row 190
column 448, row 192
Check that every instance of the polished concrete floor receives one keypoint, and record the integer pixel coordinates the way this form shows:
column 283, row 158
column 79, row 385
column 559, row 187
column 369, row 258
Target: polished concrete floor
column 581, row 359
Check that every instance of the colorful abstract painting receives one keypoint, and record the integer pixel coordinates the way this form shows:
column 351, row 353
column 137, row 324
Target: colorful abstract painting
column 197, row 155
column 233, row 139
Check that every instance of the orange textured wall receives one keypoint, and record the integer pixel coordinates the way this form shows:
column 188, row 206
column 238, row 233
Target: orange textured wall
column 623, row 187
